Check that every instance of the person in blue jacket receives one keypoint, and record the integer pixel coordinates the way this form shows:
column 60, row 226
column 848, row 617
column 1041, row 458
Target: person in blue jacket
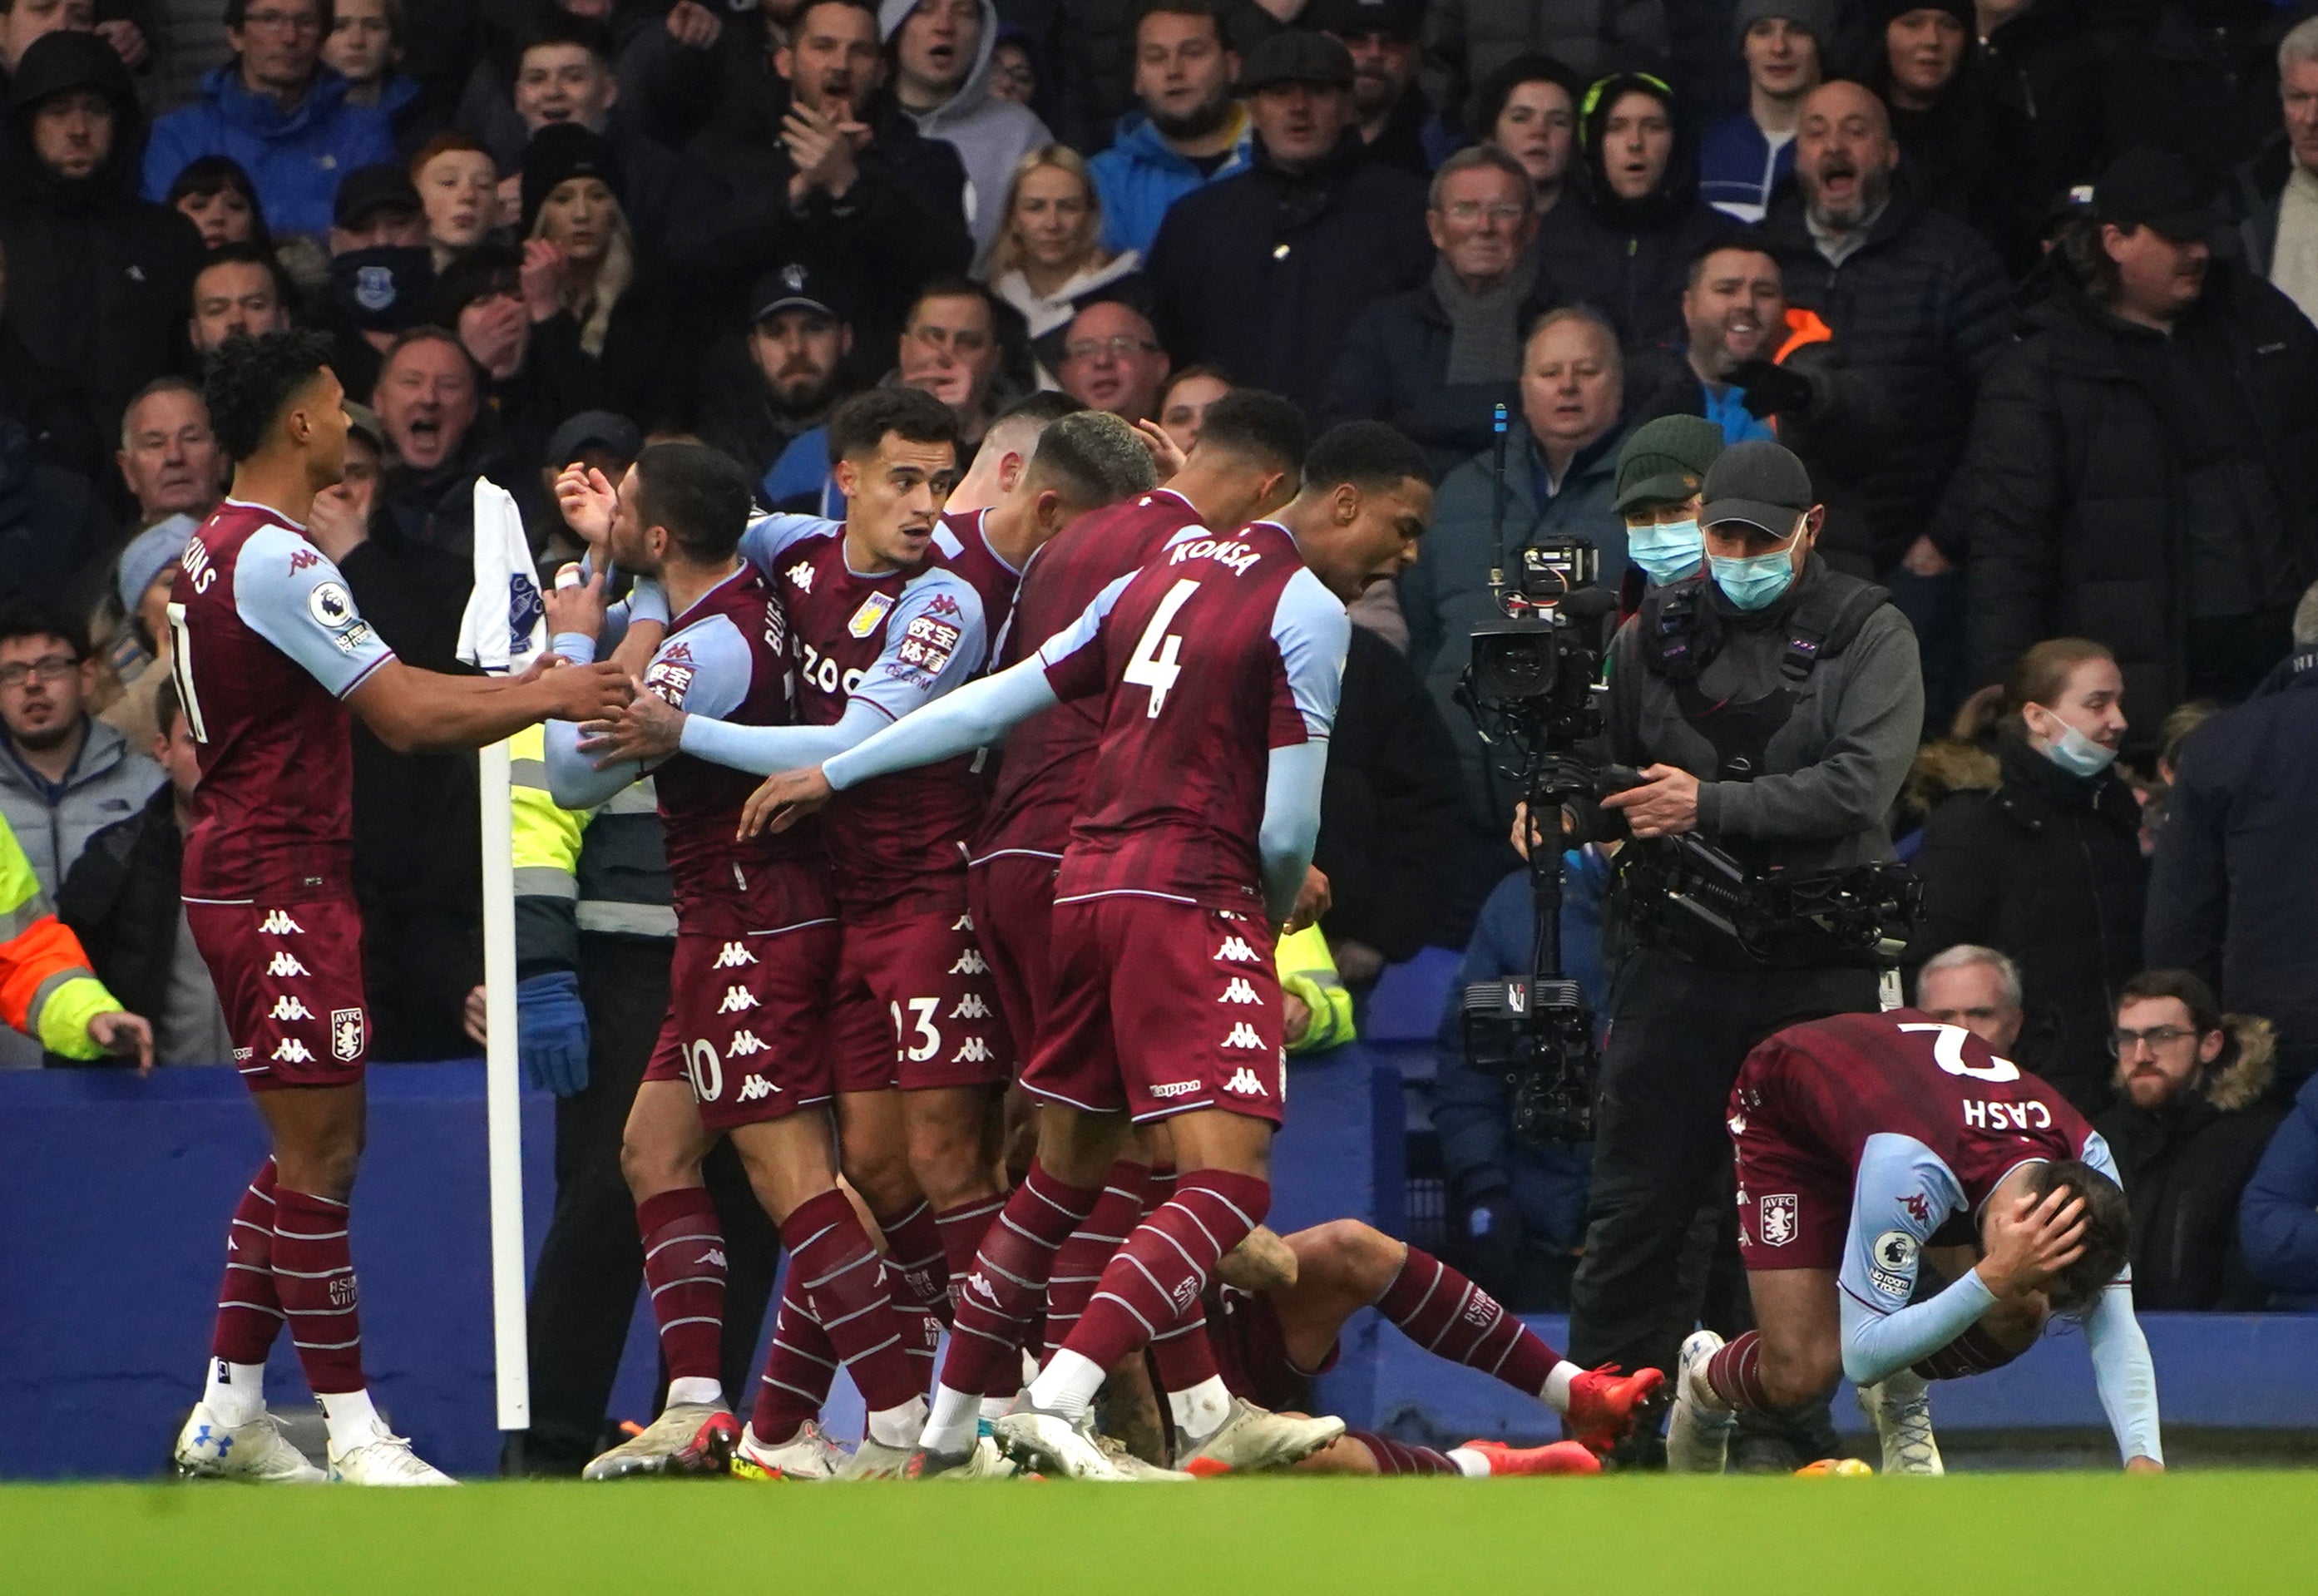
column 1190, row 130
column 2277, row 1216
column 276, row 109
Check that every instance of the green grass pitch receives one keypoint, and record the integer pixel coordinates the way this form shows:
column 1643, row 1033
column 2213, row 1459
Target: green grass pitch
column 2237, row 1534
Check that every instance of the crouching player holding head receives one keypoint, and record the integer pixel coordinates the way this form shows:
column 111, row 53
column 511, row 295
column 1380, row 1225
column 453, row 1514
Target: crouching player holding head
column 1912, row 1207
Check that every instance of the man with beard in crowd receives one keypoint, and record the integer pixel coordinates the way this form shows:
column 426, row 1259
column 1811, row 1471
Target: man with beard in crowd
column 799, row 335
column 1190, row 131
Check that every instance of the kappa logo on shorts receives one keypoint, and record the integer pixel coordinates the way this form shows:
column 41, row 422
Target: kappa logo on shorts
column 1243, row 1034
column 965, row 922
column 283, row 965
column 1237, row 950
column 1174, row 1088
column 1243, row 1081
column 1779, row 1218
column 1239, row 991
column 1737, row 1124
column 242, row 1055
column 291, row 1051
column 744, row 1044
column 736, row 999
column 288, row 1008
column 734, row 956
column 974, row 1050
column 278, row 924
column 346, row 1034
column 755, row 1087
column 970, row 963
column 970, row 1006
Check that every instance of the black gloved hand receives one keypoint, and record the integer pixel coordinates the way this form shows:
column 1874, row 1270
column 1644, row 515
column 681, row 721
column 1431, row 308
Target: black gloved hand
column 1769, row 390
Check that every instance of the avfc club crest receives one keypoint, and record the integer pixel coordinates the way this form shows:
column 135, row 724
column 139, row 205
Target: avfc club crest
column 346, row 1034
column 1779, row 1219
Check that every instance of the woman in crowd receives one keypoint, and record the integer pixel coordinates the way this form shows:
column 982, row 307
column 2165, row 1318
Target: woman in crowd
column 458, row 187
column 1183, row 403
column 2047, row 866
column 214, row 193
column 1049, row 262
column 1946, row 128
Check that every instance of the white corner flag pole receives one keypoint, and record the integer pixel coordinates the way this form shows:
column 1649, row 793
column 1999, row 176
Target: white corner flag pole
column 502, row 631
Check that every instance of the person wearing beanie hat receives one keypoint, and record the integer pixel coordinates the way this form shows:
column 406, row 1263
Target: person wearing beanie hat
column 1742, row 158
column 97, row 279
column 1661, row 470
column 1644, row 220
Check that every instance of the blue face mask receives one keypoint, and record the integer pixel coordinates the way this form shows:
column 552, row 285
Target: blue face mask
column 2076, row 753
column 1754, row 581
column 1667, row 552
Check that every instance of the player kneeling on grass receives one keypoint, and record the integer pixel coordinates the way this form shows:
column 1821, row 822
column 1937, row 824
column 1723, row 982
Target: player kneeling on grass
column 1272, row 1338
column 1875, row 1155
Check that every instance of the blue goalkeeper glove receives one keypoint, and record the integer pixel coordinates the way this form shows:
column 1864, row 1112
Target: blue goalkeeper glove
column 552, row 1033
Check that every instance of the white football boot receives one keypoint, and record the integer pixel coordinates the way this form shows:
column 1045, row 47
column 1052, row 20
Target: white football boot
column 1698, row 1431
column 383, row 1459
column 1253, row 1439
column 256, row 1453
column 1047, row 1443
column 807, row 1455
column 688, row 1437
column 1900, row 1405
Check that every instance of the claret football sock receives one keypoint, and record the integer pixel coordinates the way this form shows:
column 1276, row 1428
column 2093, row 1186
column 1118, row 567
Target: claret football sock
column 1400, row 1457
column 962, row 1229
column 1449, row 1316
column 1736, row 1374
column 314, row 1278
column 914, row 1252
column 249, row 1310
column 798, row 1368
column 1009, row 1278
column 685, row 1266
column 848, row 1287
column 1080, row 1261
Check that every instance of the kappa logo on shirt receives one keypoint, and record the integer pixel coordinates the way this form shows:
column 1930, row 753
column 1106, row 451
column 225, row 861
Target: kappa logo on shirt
column 965, row 922
column 1237, row 950
column 278, row 924
column 1239, row 991
column 301, row 559
column 1243, row 1034
column 734, row 956
column 871, row 615
column 283, row 965
column 800, row 575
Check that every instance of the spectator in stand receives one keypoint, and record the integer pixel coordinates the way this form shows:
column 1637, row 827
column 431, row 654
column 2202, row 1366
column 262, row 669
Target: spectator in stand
column 2143, row 467
column 2036, row 76
column 97, row 276
column 1013, row 71
column 1660, row 483
column 1183, row 407
column 1433, row 361
column 2229, row 891
column 1050, row 262
column 1979, row 989
column 2276, row 193
column 961, row 346
column 529, row 385
column 799, row 335
column 66, row 776
column 2187, row 1130
column 1734, row 311
column 1270, row 269
column 602, row 442
column 819, row 163
column 140, row 645
column 941, row 76
column 1112, row 361
column 382, row 275
column 1630, row 254
column 51, row 529
column 2278, row 1216
column 1953, row 144
column 45, row 401
column 2193, row 78
column 1560, row 475
column 1528, row 108
column 121, row 899
column 1465, row 40
column 169, row 459
column 275, row 109
column 214, row 193
column 1743, row 158
column 1190, row 130
column 240, row 290
column 364, row 47
column 24, row 22
column 2047, row 867
column 458, row 185
column 1387, row 107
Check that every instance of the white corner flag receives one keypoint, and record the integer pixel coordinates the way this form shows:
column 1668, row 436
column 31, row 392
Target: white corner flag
column 503, row 631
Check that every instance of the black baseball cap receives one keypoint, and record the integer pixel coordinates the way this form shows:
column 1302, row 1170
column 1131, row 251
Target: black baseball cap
column 1297, row 54
column 2154, row 188
column 1352, row 19
column 366, row 190
column 1758, row 484
column 1666, row 461
column 799, row 285
column 608, row 430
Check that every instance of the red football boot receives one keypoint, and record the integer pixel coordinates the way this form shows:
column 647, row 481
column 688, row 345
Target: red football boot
column 1602, row 1405
column 1560, row 1457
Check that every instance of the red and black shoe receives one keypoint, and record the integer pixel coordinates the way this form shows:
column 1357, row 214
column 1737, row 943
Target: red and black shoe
column 1603, row 1404
column 1560, row 1457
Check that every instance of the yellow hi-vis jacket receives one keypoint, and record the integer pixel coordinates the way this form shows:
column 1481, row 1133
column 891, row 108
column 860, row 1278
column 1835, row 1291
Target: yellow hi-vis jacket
column 47, row 990
column 1308, row 970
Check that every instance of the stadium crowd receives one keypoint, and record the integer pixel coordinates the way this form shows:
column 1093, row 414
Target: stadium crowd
column 2029, row 287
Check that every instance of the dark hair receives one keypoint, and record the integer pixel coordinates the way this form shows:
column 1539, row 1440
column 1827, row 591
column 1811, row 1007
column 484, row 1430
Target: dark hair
column 954, row 288
column 167, row 705
column 1095, row 458
column 861, row 424
column 2109, row 1231
column 285, row 292
column 1259, row 426
column 555, row 25
column 797, row 22
column 1046, row 407
column 237, row 12
column 34, row 617
column 700, row 495
column 1369, row 454
column 2193, row 994
column 1488, row 100
column 1213, row 10
column 251, row 381
column 427, row 333
column 209, row 175
column 1742, row 238
column 1207, row 369
column 483, row 271
column 2042, row 672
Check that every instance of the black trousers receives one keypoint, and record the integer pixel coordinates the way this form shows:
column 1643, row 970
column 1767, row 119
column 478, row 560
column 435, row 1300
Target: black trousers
column 1661, row 1239
column 583, row 1294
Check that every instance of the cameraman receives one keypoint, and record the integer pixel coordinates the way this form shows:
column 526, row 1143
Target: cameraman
column 1772, row 704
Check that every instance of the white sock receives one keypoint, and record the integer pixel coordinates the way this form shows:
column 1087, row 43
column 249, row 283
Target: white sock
column 996, row 1407
column 1200, row 1411
column 952, row 1426
column 1067, row 1384
column 1557, row 1385
column 900, row 1427
column 1470, row 1464
column 695, row 1391
column 235, row 1393
column 350, row 1419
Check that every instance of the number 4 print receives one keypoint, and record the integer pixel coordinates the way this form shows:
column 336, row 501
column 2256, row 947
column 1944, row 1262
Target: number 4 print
column 1154, row 664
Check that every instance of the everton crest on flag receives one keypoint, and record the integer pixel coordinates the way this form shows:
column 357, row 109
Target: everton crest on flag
column 505, row 620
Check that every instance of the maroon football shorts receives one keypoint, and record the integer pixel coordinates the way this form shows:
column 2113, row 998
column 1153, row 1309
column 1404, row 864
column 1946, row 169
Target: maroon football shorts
column 914, row 1006
column 289, row 977
column 1251, row 1348
column 747, row 1022
column 1012, row 897
column 1794, row 1191
column 1159, row 1007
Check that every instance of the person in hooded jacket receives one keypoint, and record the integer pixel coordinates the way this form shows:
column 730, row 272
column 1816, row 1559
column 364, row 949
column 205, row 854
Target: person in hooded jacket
column 2046, row 868
column 940, row 51
column 98, row 279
